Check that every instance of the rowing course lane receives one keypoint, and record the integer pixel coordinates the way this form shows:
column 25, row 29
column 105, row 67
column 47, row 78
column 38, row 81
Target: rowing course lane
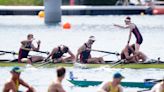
column 42, row 77
column 13, row 29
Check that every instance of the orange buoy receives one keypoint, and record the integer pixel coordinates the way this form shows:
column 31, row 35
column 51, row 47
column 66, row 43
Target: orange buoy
column 66, row 25
column 41, row 14
column 155, row 11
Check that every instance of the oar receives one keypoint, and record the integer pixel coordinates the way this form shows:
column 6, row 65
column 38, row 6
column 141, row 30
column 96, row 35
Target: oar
column 45, row 52
column 153, row 80
column 144, row 90
column 10, row 52
column 106, row 52
column 44, row 63
column 117, row 63
column 2, row 53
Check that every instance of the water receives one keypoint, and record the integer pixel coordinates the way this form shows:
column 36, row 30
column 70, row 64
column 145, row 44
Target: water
column 109, row 38
column 13, row 29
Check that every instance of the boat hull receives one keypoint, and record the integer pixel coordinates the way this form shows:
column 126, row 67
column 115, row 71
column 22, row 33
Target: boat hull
column 85, row 83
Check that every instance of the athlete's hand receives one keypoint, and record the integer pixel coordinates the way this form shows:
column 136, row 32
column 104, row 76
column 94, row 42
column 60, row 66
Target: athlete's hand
column 31, row 89
column 38, row 42
column 87, row 49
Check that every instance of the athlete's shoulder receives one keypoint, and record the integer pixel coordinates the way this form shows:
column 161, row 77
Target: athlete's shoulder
column 9, row 83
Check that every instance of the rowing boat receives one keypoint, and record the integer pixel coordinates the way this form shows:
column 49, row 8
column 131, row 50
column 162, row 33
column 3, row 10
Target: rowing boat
column 49, row 65
column 86, row 83
column 133, row 66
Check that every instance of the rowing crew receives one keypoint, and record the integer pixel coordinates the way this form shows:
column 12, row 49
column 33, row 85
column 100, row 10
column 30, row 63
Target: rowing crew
column 131, row 52
column 56, row 86
column 83, row 53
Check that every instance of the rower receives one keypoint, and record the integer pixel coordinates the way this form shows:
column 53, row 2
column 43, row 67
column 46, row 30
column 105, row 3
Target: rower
column 56, row 85
column 134, row 30
column 57, row 54
column 113, row 86
column 85, row 50
column 159, row 87
column 129, row 54
column 26, row 47
column 15, row 81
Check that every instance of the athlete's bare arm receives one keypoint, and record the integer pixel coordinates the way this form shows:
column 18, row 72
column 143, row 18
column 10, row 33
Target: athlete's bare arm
column 104, row 87
column 72, row 56
column 52, row 52
column 9, row 86
column 123, row 27
column 56, row 88
column 130, row 34
column 127, row 56
column 60, row 88
column 36, row 48
column 82, row 48
column 52, row 88
column 23, row 83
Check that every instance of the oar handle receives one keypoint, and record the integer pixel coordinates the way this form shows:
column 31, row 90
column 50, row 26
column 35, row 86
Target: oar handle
column 44, row 63
column 106, row 52
column 117, row 63
column 45, row 52
column 153, row 80
column 10, row 52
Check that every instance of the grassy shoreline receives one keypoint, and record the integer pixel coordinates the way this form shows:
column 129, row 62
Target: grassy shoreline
column 21, row 2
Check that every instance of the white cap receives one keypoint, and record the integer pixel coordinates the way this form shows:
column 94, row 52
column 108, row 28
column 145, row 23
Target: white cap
column 92, row 38
column 127, row 20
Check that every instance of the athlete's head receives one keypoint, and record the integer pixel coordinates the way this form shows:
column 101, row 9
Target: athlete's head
column 127, row 20
column 91, row 39
column 16, row 71
column 60, row 72
column 30, row 36
column 65, row 49
column 117, row 77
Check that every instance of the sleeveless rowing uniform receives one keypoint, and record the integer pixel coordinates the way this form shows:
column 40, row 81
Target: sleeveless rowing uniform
column 24, row 53
column 113, row 89
column 84, row 55
column 129, row 52
column 138, row 35
column 58, row 54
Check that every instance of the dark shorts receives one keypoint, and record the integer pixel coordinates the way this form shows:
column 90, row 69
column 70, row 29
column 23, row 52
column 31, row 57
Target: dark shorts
column 123, row 56
column 83, row 61
column 22, row 54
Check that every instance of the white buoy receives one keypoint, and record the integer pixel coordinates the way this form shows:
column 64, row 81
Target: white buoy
column 52, row 9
